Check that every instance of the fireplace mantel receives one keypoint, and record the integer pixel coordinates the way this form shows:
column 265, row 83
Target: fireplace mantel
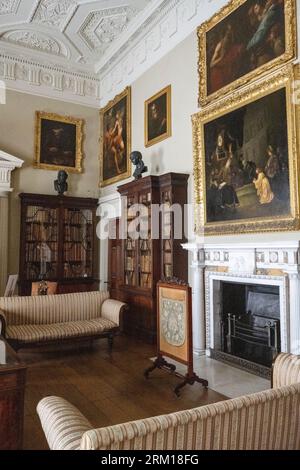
column 8, row 163
column 263, row 260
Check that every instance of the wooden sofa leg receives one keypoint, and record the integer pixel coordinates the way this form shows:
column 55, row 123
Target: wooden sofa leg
column 110, row 342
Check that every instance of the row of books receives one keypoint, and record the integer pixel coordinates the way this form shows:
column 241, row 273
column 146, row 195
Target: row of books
column 72, row 271
column 130, row 279
column 145, row 281
column 76, row 252
column 145, row 264
column 41, row 252
column 39, row 232
column 76, row 234
column 41, row 215
column 84, row 216
column 129, row 263
column 33, row 272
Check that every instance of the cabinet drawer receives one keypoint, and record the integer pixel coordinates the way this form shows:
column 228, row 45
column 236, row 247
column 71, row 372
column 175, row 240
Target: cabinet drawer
column 8, row 381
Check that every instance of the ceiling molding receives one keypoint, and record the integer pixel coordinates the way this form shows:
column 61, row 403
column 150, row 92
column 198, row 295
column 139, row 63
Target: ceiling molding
column 87, row 51
column 49, row 81
column 170, row 23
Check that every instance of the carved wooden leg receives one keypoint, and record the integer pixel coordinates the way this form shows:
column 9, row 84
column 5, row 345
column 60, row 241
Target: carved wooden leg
column 110, row 342
column 190, row 380
column 159, row 363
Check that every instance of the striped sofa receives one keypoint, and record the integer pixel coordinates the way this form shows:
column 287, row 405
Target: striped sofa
column 28, row 321
column 268, row 420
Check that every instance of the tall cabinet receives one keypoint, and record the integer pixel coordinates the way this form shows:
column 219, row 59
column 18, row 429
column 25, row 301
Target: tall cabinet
column 136, row 264
column 58, row 242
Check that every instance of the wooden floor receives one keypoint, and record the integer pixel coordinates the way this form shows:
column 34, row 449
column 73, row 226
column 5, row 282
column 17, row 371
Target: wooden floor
column 107, row 390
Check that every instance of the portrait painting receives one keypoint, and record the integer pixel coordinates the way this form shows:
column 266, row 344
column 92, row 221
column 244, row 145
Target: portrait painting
column 158, row 117
column 116, row 139
column 58, row 142
column 246, row 160
column 244, row 40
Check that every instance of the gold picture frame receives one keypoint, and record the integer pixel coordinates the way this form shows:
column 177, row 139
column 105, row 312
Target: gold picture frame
column 158, row 117
column 205, row 124
column 115, row 139
column 210, row 46
column 58, row 142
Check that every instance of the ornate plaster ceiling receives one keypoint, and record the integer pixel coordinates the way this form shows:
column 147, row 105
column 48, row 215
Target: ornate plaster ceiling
column 69, row 32
column 87, row 51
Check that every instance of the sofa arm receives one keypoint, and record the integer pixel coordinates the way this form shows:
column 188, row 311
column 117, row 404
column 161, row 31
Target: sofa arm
column 3, row 324
column 286, row 370
column 114, row 310
column 62, row 423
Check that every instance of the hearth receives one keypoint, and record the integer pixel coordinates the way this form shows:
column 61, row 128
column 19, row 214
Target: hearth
column 247, row 320
column 249, row 326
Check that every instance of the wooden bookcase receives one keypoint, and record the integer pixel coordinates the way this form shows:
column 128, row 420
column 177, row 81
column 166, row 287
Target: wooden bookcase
column 136, row 265
column 58, row 242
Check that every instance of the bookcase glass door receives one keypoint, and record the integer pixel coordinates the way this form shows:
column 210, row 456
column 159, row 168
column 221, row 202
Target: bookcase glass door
column 78, row 243
column 145, row 242
column 166, row 234
column 41, row 243
column 130, row 267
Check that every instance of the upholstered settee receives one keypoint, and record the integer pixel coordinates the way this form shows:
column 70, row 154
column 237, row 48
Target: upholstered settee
column 28, row 321
column 267, row 420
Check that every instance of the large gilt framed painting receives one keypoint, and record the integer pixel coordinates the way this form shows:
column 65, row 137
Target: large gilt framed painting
column 115, row 142
column 58, row 142
column 244, row 40
column 246, row 163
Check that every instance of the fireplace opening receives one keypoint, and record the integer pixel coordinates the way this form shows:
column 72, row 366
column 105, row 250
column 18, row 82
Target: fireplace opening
column 249, row 322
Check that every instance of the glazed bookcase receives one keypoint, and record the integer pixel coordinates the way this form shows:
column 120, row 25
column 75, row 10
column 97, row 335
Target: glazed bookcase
column 58, row 242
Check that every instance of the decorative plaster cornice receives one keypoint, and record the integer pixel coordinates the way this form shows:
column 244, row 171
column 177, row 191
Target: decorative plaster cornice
column 154, row 32
column 49, row 80
column 170, row 23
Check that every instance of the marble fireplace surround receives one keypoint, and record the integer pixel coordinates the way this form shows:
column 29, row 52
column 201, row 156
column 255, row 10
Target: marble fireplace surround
column 8, row 163
column 270, row 263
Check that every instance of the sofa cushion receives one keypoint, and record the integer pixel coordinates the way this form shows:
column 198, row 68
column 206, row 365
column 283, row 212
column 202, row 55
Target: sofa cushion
column 72, row 329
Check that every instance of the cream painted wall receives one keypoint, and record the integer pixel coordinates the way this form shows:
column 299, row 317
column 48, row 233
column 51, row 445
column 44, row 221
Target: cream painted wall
column 17, row 124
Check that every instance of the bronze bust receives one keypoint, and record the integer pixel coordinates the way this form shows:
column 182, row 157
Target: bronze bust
column 61, row 185
column 140, row 167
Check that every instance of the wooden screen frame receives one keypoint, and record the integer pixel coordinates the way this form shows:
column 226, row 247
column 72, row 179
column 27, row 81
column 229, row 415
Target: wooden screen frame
column 183, row 287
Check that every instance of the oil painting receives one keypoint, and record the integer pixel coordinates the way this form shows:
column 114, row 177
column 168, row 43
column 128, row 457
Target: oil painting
column 58, row 142
column 116, row 139
column 245, row 39
column 246, row 161
column 158, row 117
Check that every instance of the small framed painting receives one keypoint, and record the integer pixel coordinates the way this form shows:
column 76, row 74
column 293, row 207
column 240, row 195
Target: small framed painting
column 243, row 41
column 58, row 142
column 115, row 142
column 158, row 125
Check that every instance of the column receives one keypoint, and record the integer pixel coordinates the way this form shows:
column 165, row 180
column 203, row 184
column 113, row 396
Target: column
column 198, row 266
column 294, row 284
column 3, row 241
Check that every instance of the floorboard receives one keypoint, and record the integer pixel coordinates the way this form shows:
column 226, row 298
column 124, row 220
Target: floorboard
column 107, row 389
